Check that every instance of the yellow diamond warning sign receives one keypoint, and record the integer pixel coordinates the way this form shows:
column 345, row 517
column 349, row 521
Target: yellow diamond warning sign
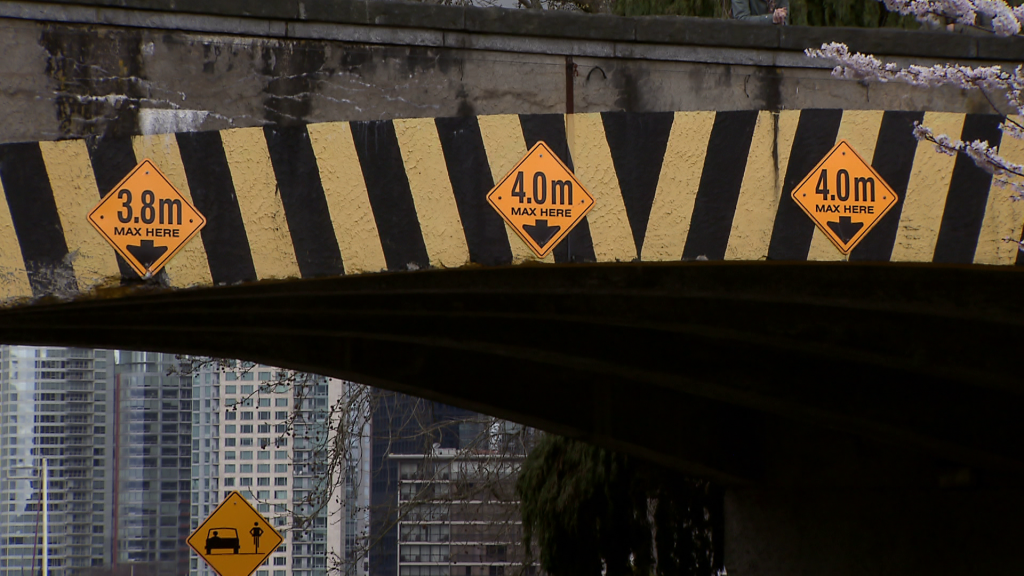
column 146, row 219
column 541, row 199
column 844, row 196
column 235, row 539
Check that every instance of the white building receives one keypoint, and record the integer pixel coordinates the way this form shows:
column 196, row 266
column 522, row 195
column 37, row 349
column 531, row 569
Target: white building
column 55, row 404
column 267, row 441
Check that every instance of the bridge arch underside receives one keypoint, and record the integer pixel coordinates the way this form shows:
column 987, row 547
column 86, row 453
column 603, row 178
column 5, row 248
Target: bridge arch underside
column 780, row 374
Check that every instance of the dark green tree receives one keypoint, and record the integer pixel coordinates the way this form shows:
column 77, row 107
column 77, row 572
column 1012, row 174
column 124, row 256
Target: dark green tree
column 856, row 13
column 585, row 509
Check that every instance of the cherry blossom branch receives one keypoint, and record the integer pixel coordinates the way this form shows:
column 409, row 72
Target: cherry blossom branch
column 986, row 157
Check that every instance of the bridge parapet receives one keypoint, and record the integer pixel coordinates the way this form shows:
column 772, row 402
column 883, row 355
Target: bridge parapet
column 81, row 68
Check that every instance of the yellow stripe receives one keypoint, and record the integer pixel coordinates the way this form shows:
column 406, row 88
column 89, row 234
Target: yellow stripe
column 189, row 267
column 75, row 194
column 677, row 186
column 592, row 163
column 859, row 128
column 273, row 254
column 762, row 185
column 505, row 147
column 347, row 199
column 1004, row 217
column 13, row 276
column 432, row 193
column 926, row 193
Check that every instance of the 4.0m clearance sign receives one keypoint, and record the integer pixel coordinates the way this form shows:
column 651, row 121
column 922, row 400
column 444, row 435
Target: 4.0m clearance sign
column 844, row 196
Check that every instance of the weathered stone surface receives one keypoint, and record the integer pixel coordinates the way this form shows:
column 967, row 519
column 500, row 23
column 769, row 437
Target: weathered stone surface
column 119, row 67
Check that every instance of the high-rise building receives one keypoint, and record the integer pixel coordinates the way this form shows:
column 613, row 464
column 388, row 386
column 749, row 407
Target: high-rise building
column 401, row 424
column 443, row 491
column 55, row 406
column 459, row 514
column 267, row 440
column 153, row 432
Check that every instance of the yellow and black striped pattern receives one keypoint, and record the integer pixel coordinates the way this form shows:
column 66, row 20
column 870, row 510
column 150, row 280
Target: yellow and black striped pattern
column 347, row 198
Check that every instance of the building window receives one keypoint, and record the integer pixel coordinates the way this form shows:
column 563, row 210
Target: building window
column 229, row 442
column 280, row 455
column 229, row 482
column 247, row 388
column 230, row 415
column 281, row 494
column 245, row 429
column 245, row 455
column 264, row 376
column 245, row 468
column 229, row 455
column 245, row 481
column 230, row 389
column 280, row 561
column 230, row 376
column 246, row 415
column 280, row 481
column 229, row 429
column 263, row 481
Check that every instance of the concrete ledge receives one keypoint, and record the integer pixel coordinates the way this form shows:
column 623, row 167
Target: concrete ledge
column 567, row 25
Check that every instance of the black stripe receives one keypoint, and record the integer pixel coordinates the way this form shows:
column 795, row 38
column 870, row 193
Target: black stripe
column 213, row 192
column 578, row 246
column 894, row 159
column 637, row 142
column 470, row 175
column 720, row 182
column 815, row 136
column 968, row 194
column 390, row 196
column 36, row 221
column 305, row 205
column 112, row 159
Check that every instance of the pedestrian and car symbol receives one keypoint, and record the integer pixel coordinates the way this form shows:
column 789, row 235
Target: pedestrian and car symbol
column 222, row 538
column 235, row 539
column 844, row 196
column 541, row 199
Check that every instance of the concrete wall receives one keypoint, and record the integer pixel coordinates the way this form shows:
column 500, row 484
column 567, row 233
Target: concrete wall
column 123, row 67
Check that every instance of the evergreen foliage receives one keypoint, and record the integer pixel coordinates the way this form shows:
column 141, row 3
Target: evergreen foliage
column 591, row 511
column 856, row 13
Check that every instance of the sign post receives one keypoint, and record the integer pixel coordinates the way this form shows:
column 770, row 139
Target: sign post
column 235, row 539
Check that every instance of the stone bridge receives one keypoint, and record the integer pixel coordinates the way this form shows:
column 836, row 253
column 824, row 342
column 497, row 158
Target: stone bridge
column 341, row 153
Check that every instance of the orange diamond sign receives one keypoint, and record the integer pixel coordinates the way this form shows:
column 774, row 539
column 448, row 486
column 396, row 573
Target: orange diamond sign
column 541, row 199
column 235, row 539
column 146, row 219
column 844, row 196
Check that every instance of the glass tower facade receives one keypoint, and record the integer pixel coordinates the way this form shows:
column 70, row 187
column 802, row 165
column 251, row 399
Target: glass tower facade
column 153, row 466
column 55, row 405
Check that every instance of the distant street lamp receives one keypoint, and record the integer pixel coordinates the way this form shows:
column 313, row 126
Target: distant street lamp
column 45, row 510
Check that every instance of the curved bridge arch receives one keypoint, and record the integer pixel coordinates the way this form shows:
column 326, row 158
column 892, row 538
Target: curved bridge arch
column 341, row 198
